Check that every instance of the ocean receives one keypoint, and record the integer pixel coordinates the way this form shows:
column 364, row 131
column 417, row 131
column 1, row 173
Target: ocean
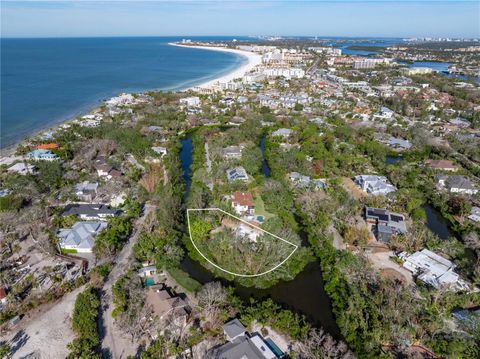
column 46, row 81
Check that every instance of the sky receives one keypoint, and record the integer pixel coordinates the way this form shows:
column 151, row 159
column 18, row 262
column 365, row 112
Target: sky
column 377, row 18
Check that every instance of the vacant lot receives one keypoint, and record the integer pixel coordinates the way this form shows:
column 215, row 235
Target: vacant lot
column 46, row 334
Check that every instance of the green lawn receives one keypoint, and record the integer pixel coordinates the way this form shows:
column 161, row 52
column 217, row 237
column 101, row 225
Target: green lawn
column 260, row 208
column 184, row 280
column 69, row 251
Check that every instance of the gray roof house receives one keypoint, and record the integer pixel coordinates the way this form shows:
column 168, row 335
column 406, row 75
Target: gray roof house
column 385, row 223
column 86, row 190
column 233, row 329
column 237, row 174
column 94, row 211
column 81, row 236
column 374, row 184
column 456, row 184
column 241, row 345
column 299, row 180
column 399, row 143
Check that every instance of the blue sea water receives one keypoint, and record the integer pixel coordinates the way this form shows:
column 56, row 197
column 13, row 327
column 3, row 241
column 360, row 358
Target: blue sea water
column 45, row 81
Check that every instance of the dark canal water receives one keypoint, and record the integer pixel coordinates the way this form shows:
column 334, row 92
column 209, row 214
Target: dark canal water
column 436, row 223
column 265, row 167
column 304, row 294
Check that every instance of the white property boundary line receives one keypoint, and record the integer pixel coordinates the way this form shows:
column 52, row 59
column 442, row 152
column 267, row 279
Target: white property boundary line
column 241, row 220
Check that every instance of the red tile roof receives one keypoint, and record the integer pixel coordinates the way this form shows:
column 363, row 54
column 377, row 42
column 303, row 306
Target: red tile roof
column 243, row 198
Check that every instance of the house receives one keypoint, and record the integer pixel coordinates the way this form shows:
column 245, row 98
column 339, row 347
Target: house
column 299, row 180
column 42, row 155
column 399, row 143
column 282, row 132
column 167, row 307
column 474, row 214
column 385, row 223
column 375, row 185
column 433, row 269
column 94, row 211
column 245, row 231
column 162, row 151
column 241, row 345
column 243, row 203
column 232, row 152
column 47, row 146
column 22, row 169
column 456, row 184
column 234, row 329
column 86, row 190
column 105, row 170
column 459, row 122
column 81, row 236
column 237, row 174
column 443, row 165
column 385, row 113
column 147, row 271
column 192, row 101
column 4, row 192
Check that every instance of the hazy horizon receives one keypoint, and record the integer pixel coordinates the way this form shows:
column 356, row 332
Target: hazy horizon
column 340, row 18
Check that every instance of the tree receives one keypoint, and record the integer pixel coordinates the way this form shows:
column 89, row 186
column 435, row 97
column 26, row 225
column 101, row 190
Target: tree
column 212, row 298
column 319, row 344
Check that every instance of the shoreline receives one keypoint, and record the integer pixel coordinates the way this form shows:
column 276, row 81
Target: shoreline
column 252, row 60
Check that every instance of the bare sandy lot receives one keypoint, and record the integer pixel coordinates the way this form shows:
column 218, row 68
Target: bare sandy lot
column 47, row 334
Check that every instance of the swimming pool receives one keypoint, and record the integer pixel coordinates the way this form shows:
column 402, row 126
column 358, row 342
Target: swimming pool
column 273, row 347
column 149, row 282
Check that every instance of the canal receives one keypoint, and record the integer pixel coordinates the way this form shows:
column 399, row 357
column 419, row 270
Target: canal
column 436, row 223
column 304, row 294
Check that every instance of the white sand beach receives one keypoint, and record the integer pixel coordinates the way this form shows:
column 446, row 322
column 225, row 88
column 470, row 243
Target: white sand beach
column 252, row 61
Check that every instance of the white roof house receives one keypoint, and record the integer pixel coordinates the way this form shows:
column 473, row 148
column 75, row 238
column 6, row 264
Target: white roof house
column 162, row 151
column 475, row 214
column 373, row 184
column 283, row 132
column 192, row 101
column 81, row 236
column 433, row 269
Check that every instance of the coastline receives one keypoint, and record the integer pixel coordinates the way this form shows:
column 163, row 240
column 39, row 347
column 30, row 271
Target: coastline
column 252, row 60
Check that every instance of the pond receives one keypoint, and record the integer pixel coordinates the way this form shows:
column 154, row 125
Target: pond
column 436, row 223
column 391, row 160
column 304, row 294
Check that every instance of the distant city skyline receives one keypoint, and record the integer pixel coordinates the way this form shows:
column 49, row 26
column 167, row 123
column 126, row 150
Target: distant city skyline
column 354, row 18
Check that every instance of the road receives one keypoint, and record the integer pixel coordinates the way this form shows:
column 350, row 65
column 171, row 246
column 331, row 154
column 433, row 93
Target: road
column 114, row 343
